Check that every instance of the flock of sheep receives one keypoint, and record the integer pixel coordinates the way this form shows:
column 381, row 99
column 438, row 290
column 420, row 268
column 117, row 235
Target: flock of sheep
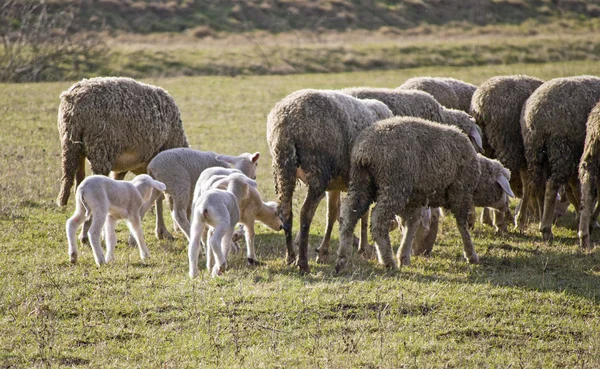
column 410, row 150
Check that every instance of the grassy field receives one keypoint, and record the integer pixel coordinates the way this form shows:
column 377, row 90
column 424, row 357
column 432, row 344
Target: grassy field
column 527, row 305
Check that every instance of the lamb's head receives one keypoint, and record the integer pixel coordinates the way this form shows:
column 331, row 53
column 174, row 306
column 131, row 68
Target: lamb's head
column 269, row 217
column 146, row 185
column 466, row 123
column 380, row 109
column 246, row 162
column 238, row 184
column 493, row 188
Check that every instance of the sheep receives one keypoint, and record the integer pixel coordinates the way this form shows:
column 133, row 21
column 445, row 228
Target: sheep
column 589, row 176
column 119, row 124
column 179, row 169
column 553, row 124
column 403, row 164
column 220, row 210
column 252, row 208
column 107, row 201
column 310, row 134
column 419, row 104
column 496, row 106
column 450, row 92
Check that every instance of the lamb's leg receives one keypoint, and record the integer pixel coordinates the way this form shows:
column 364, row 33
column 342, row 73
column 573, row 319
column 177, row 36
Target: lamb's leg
column 135, row 227
column 311, row 202
column 587, row 200
column 161, row 229
column 179, row 212
column 215, row 246
column 381, row 216
column 110, row 238
column 83, row 236
column 155, row 194
column 94, row 235
column 333, row 212
column 412, row 220
column 250, row 252
column 425, row 239
column 72, row 224
column 196, row 232
column 209, row 255
column 548, row 213
column 101, row 164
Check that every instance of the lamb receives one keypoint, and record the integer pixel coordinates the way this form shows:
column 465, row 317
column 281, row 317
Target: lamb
column 496, row 106
column 553, row 123
column 252, row 208
column 119, row 124
column 179, row 169
column 107, row 201
column 450, row 92
column 310, row 134
column 419, row 104
column 220, row 210
column 589, row 175
column 403, row 164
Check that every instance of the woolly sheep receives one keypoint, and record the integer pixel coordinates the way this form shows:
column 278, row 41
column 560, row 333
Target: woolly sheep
column 119, row 124
column 403, row 164
column 553, row 123
column 220, row 210
column 415, row 103
column 589, row 175
column 252, row 208
column 107, row 201
column 179, row 169
column 450, row 92
column 310, row 134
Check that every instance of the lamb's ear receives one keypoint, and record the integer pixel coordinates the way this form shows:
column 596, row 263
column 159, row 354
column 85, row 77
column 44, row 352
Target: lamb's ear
column 426, row 217
column 255, row 157
column 503, row 182
column 476, row 137
column 251, row 182
column 158, row 185
column 227, row 159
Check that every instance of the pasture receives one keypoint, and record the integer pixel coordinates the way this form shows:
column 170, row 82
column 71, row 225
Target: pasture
column 527, row 305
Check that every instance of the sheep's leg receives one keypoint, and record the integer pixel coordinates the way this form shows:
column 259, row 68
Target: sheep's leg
column 80, row 174
column 587, row 200
column 179, row 212
column 135, row 226
column 196, row 232
column 110, row 238
column 215, row 246
column 311, row 202
column 521, row 212
column 381, row 216
column 94, row 235
column 119, row 176
column 500, row 221
column 363, row 246
column 461, row 215
column 250, row 252
column 574, row 194
column 412, row 220
column 486, row 217
column 333, row 212
column 548, row 213
column 287, row 216
column 72, row 224
column 472, row 217
column 161, row 229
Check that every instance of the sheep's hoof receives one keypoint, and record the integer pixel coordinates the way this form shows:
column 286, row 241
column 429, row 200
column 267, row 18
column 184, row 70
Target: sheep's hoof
column 163, row 234
column 340, row 265
column 547, row 235
column 404, row 260
column 584, row 241
column 74, row 258
column 254, row 262
column 391, row 265
column 501, row 229
column 303, row 266
column 473, row 259
column 355, row 242
column 365, row 251
column 290, row 258
column 322, row 255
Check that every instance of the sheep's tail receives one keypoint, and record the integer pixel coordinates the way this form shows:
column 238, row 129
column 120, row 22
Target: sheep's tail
column 73, row 156
column 285, row 166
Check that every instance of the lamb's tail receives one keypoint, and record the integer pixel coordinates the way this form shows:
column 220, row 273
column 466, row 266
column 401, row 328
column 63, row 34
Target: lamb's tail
column 72, row 156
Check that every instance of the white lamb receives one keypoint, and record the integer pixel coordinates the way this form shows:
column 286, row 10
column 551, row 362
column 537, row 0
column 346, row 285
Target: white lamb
column 107, row 200
column 219, row 209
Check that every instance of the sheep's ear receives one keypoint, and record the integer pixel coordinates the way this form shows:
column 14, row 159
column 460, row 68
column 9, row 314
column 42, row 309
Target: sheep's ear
column 503, row 182
column 426, row 217
column 255, row 157
column 227, row 159
column 476, row 136
column 159, row 185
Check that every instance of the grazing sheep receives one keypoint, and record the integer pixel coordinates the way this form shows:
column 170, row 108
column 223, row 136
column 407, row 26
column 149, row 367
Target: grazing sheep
column 119, row 124
column 179, row 169
column 252, row 208
column 553, row 123
column 450, row 92
column 496, row 106
column 221, row 211
column 589, row 175
column 310, row 134
column 107, row 201
column 403, row 164
column 415, row 103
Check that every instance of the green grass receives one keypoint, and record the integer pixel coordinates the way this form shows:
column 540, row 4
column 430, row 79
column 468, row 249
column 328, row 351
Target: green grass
column 527, row 305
